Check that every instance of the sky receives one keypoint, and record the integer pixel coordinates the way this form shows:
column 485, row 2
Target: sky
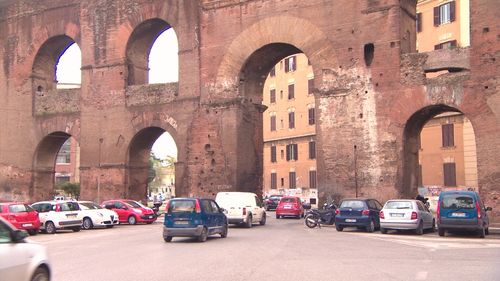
column 164, row 68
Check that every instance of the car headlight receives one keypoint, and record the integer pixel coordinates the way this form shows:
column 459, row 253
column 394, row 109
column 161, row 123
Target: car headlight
column 139, row 211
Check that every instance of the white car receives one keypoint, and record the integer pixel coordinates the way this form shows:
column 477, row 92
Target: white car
column 56, row 215
column 406, row 214
column 21, row 259
column 242, row 208
column 95, row 215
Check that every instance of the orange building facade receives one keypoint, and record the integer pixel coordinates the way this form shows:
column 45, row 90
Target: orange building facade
column 289, row 130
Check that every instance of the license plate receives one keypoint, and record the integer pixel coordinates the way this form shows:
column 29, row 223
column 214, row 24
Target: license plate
column 151, row 216
column 287, row 207
column 350, row 220
column 460, row 215
column 397, row 215
column 71, row 216
column 27, row 224
column 181, row 222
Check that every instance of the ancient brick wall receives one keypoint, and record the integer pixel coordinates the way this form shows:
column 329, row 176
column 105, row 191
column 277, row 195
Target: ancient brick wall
column 372, row 94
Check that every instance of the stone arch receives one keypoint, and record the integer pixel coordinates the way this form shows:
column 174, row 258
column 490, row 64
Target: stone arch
column 138, row 159
column 45, row 62
column 274, row 32
column 411, row 139
column 44, row 163
column 138, row 48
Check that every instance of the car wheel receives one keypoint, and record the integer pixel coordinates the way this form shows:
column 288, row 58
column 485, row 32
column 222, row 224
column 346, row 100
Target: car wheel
column 339, row 228
column 224, row 232
column 420, row 228
column 167, row 238
column 249, row 222
column 50, row 227
column 33, row 231
column 383, row 230
column 433, row 229
column 482, row 232
column 132, row 220
column 278, row 216
column 41, row 274
column 371, row 227
column 263, row 219
column 87, row 224
column 203, row 236
column 441, row 232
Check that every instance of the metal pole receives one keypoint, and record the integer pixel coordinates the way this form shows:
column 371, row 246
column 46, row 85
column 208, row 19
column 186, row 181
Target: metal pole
column 356, row 170
column 99, row 174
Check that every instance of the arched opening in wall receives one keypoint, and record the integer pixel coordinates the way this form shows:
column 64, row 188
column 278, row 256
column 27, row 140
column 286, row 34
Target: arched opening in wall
column 48, row 67
column 152, row 157
column 439, row 152
column 57, row 167
column 141, row 56
column 279, row 157
column 68, row 68
column 164, row 58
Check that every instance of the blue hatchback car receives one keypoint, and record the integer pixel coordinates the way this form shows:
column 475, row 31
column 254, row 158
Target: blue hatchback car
column 194, row 217
column 462, row 211
column 358, row 212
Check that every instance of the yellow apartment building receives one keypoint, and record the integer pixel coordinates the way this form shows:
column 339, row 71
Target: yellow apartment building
column 289, row 129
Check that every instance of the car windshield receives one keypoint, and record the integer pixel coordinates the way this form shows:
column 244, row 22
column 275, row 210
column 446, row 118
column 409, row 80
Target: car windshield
column 398, row 205
column 287, row 200
column 134, row 204
column 181, row 206
column 20, row 208
column 354, row 204
column 90, row 206
column 457, row 201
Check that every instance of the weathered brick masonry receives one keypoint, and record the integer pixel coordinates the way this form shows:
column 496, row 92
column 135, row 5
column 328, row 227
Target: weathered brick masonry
column 372, row 95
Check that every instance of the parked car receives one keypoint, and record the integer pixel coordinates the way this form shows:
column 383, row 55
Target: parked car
column 290, row 206
column 405, row 214
column 242, row 208
column 21, row 216
column 94, row 215
column 462, row 210
column 193, row 217
column 271, row 202
column 55, row 215
column 20, row 259
column 358, row 212
column 130, row 211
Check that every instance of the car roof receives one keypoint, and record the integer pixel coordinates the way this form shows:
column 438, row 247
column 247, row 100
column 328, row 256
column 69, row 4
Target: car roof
column 467, row 192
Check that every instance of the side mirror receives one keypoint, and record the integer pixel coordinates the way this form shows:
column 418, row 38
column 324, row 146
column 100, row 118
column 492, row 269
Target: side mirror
column 488, row 209
column 124, row 208
column 19, row 235
column 222, row 210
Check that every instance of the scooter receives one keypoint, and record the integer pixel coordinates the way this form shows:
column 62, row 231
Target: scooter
column 156, row 209
column 324, row 216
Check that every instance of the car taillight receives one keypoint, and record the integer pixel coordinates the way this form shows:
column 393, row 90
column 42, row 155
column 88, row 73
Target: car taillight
column 167, row 206
column 244, row 211
column 197, row 207
column 381, row 215
column 438, row 212
column 413, row 215
column 365, row 212
column 337, row 211
column 478, row 211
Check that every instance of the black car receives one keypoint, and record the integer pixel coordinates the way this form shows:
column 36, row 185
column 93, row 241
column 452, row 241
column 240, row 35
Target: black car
column 271, row 203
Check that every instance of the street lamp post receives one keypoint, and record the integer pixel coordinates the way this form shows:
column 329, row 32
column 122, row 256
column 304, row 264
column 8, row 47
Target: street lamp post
column 356, row 170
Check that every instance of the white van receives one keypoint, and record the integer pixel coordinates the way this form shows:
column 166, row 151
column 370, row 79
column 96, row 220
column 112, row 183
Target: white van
column 242, row 208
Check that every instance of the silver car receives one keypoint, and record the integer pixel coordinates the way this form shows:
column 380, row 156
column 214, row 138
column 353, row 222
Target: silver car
column 406, row 214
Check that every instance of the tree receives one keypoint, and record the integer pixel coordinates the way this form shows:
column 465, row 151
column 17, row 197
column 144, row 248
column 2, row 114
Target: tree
column 70, row 188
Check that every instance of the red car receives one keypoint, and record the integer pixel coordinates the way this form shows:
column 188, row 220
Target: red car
column 21, row 215
column 290, row 206
column 130, row 211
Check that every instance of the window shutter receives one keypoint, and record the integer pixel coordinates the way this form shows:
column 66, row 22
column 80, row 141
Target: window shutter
column 452, row 11
column 310, row 86
column 273, row 153
column 419, row 22
column 287, row 69
column 450, row 178
column 272, row 95
column 273, row 123
column 311, row 116
column 312, row 179
column 438, row 47
column 453, row 44
column 312, row 150
column 288, row 152
column 437, row 18
column 294, row 63
column 291, row 91
column 291, row 120
column 451, row 139
column 296, row 150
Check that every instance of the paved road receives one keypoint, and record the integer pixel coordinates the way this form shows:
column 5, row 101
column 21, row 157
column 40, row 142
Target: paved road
column 281, row 250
